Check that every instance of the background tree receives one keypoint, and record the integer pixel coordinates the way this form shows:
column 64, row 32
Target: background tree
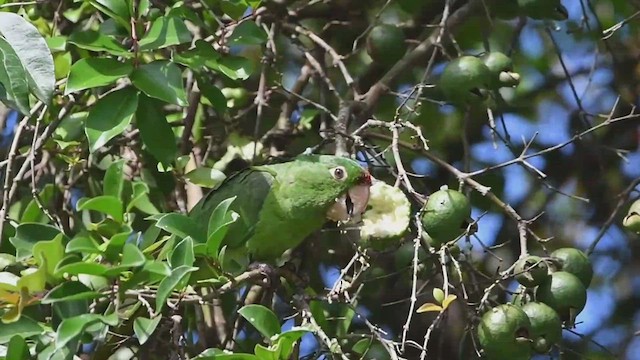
column 119, row 112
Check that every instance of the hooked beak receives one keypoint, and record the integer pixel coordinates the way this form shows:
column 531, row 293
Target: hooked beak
column 352, row 204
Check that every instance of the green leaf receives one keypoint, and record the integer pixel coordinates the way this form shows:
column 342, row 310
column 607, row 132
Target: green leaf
column 182, row 254
column 165, row 31
column 205, row 177
column 82, row 268
column 234, row 8
column 105, row 204
column 213, row 95
column 32, row 212
column 179, row 225
column 110, row 117
column 71, row 328
column 140, row 199
column 429, row 307
column 56, row 43
column 114, row 179
column 94, row 72
column 161, row 80
column 118, row 10
column 218, row 225
column 234, row 67
column 33, row 52
column 264, row 353
column 155, row 131
column 286, row 340
column 307, row 116
column 14, row 86
column 48, row 254
column 179, row 276
column 69, row 291
column 217, row 354
column 248, row 33
column 448, row 300
column 33, row 279
column 263, row 319
column 71, row 127
column 29, row 234
column 96, row 41
column 144, row 328
column 132, row 256
column 17, row 349
column 24, row 326
column 82, row 244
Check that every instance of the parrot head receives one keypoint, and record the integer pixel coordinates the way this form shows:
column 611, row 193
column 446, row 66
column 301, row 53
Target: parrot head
column 341, row 185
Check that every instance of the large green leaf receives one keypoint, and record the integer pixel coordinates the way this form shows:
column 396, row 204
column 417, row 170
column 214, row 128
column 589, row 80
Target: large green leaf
column 71, row 328
column 118, row 10
column 32, row 212
column 205, row 177
column 96, row 41
column 29, row 234
column 68, row 291
column 94, row 72
column 110, row 117
column 33, row 52
column 144, row 328
column 140, row 199
column 218, row 225
column 179, row 225
column 234, row 67
column 248, row 33
column 175, row 281
column 263, row 319
column 48, row 254
column 155, row 131
column 114, row 179
column 14, row 86
column 234, row 8
column 24, row 326
column 17, row 349
column 182, row 254
column 105, row 204
column 165, row 31
column 161, row 80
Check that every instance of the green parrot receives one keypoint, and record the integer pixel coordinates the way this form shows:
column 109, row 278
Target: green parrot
column 281, row 204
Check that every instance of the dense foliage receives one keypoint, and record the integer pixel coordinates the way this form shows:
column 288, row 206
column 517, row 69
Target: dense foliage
column 504, row 135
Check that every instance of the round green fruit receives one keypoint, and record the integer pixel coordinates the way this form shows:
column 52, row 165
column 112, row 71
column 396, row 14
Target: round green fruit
column 576, row 262
column 546, row 326
column 531, row 271
column 386, row 44
column 632, row 220
column 501, row 68
column 564, row 293
column 464, row 79
column 504, row 332
column 445, row 216
column 543, row 9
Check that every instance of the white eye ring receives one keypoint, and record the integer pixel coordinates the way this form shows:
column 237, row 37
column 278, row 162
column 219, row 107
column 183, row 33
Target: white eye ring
column 339, row 173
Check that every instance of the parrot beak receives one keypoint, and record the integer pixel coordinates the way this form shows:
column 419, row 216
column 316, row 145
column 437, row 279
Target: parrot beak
column 351, row 205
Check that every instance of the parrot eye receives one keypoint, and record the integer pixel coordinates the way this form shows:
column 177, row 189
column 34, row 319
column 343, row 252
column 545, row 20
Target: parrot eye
column 339, row 173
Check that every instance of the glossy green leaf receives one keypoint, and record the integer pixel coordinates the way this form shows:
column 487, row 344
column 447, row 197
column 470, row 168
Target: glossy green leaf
column 165, row 31
column 71, row 328
column 155, row 131
column 140, row 199
column 217, row 354
column 49, row 253
column 24, row 326
column 213, row 95
column 17, row 349
column 161, row 80
column 69, row 291
column 205, row 177
column 132, row 256
column 263, row 319
column 56, row 43
column 110, row 117
column 105, row 204
column 32, row 212
column 71, row 127
column 179, row 276
column 234, row 67
column 218, row 225
column 96, row 41
column 144, row 328
column 179, row 225
column 82, row 268
column 33, row 52
column 182, row 254
column 82, row 244
column 14, row 86
column 234, row 8
column 267, row 353
column 94, row 72
column 33, row 279
column 248, row 33
column 118, row 10
column 114, row 179
column 29, row 234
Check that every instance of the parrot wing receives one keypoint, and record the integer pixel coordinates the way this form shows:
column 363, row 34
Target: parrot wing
column 250, row 187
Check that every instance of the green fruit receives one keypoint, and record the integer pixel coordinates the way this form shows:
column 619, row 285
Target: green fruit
column 546, row 326
column 501, row 68
column 564, row 293
column 386, row 44
column 445, row 215
column 543, row 9
column 632, row 220
column 463, row 80
column 503, row 333
column 404, row 256
column 531, row 271
column 576, row 262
